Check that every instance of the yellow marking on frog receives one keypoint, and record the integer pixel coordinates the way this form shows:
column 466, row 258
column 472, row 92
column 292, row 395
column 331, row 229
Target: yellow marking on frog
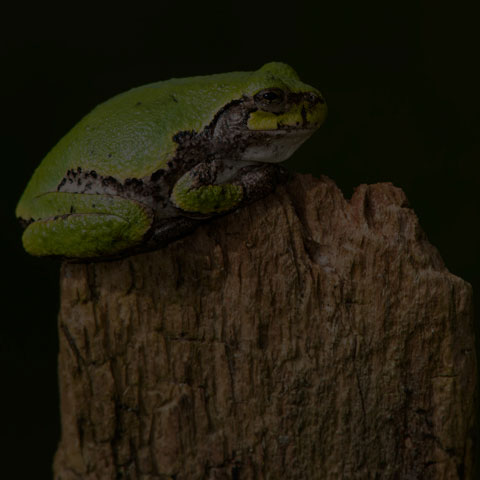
column 261, row 120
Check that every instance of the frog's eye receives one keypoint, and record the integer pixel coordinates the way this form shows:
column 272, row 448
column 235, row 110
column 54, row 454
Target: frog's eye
column 271, row 99
column 271, row 96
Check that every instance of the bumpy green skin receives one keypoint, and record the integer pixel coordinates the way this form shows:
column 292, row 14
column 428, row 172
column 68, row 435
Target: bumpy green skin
column 132, row 136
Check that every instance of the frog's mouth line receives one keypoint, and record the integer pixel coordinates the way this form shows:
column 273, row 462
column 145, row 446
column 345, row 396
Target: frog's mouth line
column 286, row 130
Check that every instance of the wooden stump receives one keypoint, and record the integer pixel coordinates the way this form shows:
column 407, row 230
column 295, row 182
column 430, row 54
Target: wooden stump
column 303, row 337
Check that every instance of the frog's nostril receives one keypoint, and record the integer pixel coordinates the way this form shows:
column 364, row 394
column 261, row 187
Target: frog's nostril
column 315, row 98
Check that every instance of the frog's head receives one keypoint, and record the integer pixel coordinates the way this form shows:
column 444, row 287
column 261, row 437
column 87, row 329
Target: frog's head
column 277, row 113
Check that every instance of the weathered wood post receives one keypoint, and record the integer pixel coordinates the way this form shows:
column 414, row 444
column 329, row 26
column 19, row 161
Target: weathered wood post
column 302, row 337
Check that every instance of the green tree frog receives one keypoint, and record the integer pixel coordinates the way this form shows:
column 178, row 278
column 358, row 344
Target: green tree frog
column 144, row 167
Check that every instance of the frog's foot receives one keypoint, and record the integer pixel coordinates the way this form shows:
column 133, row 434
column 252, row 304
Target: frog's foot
column 83, row 226
column 260, row 180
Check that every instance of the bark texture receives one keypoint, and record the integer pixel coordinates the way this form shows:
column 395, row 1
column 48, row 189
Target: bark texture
column 303, row 337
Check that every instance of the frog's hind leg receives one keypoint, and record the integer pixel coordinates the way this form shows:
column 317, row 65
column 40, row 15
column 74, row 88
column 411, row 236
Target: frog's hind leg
column 85, row 226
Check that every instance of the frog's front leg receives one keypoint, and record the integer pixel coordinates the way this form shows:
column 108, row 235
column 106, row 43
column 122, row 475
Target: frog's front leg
column 196, row 192
column 211, row 188
column 85, row 225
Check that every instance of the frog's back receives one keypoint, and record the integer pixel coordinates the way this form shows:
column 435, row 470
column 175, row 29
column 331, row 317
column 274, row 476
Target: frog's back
column 131, row 135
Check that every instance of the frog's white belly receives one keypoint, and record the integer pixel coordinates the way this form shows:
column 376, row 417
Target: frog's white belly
column 277, row 145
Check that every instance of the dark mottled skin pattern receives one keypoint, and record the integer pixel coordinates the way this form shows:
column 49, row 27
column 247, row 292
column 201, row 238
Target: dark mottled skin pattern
column 225, row 138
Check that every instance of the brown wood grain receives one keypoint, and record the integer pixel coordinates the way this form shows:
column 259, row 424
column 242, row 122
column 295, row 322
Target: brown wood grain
column 305, row 336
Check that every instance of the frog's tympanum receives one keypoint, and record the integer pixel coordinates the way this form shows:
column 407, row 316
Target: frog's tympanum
column 145, row 166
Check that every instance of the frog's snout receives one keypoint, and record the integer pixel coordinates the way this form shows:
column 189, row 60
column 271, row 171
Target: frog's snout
column 314, row 108
column 314, row 98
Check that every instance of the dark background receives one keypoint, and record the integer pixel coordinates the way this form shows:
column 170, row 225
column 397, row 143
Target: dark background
column 401, row 83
